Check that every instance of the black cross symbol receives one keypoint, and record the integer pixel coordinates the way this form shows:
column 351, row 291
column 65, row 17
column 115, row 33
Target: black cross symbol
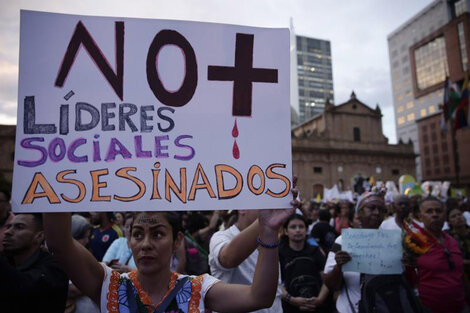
column 242, row 74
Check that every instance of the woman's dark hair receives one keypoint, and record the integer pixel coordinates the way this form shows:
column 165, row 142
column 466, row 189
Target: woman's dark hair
column 121, row 213
column 351, row 210
column 173, row 219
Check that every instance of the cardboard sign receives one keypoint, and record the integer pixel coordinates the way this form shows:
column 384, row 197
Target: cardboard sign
column 120, row 114
column 373, row 251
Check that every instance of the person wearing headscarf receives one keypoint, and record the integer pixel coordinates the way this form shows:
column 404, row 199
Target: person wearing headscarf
column 370, row 210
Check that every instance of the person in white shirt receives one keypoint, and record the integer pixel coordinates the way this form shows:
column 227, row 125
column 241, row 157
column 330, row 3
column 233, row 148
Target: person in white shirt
column 370, row 211
column 119, row 255
column 232, row 260
column 402, row 208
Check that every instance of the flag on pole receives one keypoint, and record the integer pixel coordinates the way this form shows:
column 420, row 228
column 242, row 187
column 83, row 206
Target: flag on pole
column 451, row 102
column 445, row 106
column 461, row 112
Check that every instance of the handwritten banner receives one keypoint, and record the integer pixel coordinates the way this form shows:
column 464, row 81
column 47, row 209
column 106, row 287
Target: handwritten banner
column 373, row 251
column 121, row 114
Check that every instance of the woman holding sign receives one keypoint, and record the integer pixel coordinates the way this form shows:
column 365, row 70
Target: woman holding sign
column 153, row 287
column 370, row 211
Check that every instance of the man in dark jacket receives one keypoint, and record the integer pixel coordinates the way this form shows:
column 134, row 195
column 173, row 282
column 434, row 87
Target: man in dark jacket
column 31, row 280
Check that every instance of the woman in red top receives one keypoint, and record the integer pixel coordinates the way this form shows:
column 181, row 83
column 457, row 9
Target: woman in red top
column 344, row 218
column 440, row 269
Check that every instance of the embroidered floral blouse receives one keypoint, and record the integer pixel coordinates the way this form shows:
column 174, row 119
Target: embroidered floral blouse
column 117, row 287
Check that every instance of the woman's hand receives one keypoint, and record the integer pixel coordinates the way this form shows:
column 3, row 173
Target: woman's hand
column 275, row 218
column 342, row 257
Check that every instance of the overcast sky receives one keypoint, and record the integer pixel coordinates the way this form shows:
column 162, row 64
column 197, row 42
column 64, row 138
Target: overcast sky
column 357, row 31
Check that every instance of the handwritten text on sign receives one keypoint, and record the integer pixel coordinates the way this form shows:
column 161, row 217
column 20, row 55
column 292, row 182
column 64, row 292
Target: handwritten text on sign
column 138, row 114
column 373, row 251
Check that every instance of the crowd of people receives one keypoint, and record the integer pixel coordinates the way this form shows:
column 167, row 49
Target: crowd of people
column 266, row 261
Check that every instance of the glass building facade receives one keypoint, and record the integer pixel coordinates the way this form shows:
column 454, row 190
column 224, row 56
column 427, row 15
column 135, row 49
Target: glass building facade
column 315, row 76
column 431, row 63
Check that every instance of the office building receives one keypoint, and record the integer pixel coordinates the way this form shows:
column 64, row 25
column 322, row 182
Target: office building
column 423, row 51
column 315, row 76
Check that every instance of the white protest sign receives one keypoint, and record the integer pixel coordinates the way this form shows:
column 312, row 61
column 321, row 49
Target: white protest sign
column 139, row 114
column 373, row 251
column 331, row 194
column 347, row 195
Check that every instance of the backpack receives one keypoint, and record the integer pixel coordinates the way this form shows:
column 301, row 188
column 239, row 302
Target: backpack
column 387, row 294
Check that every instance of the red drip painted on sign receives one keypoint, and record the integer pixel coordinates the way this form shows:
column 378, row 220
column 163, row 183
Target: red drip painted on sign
column 235, row 150
column 235, row 130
